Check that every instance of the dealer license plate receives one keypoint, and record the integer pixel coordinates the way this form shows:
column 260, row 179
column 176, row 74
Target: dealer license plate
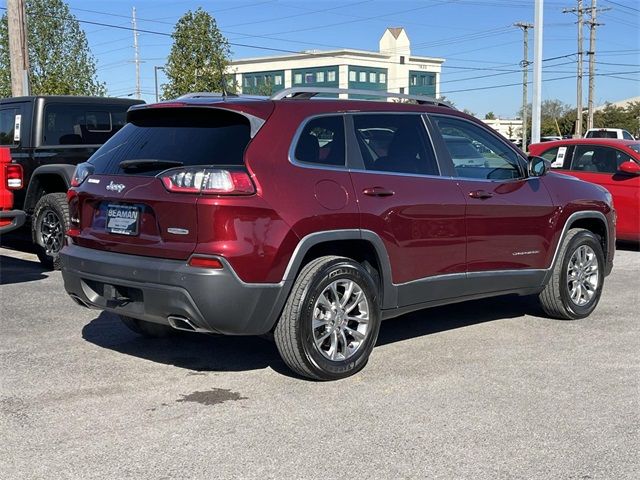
column 122, row 219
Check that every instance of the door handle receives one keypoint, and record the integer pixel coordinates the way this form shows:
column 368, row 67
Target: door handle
column 482, row 194
column 378, row 192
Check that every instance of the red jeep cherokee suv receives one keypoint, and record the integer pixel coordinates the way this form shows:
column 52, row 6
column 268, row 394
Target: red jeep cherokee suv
column 316, row 219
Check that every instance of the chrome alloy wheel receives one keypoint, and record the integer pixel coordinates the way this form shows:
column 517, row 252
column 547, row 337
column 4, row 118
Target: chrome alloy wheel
column 340, row 320
column 582, row 275
column 51, row 232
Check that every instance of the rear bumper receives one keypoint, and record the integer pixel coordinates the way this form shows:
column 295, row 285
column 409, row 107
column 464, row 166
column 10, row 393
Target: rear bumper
column 17, row 218
column 154, row 289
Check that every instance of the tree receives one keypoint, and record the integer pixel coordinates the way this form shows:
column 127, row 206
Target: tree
column 468, row 112
column 490, row 116
column 199, row 56
column 60, row 61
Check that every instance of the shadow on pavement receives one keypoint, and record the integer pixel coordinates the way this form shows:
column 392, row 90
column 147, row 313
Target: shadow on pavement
column 192, row 351
column 450, row 317
column 205, row 353
column 629, row 246
column 17, row 270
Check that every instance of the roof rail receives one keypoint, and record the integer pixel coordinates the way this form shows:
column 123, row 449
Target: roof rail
column 310, row 92
column 205, row 95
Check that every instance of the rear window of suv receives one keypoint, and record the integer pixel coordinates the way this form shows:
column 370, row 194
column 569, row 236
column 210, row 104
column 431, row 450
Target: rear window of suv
column 191, row 136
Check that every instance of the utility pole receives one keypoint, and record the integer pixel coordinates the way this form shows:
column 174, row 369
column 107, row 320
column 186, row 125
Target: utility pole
column 537, row 72
column 525, row 70
column 136, row 52
column 579, row 10
column 155, row 74
column 592, row 59
column 18, row 51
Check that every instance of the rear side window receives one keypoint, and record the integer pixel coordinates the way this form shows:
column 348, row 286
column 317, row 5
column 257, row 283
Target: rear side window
column 322, row 142
column 394, row 143
column 66, row 124
column 7, row 125
column 475, row 152
column 190, row 136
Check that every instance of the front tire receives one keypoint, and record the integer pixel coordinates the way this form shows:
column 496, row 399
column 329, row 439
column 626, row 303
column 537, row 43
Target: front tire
column 50, row 223
column 331, row 320
column 577, row 278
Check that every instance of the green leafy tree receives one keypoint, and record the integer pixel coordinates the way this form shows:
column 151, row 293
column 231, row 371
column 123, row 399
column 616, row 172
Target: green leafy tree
column 490, row 116
column 199, row 57
column 60, row 61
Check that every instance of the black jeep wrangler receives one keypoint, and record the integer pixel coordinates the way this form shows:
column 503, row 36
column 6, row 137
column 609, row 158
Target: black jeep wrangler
column 49, row 136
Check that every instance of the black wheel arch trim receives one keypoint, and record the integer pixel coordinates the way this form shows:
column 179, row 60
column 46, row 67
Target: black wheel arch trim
column 63, row 171
column 389, row 291
column 594, row 214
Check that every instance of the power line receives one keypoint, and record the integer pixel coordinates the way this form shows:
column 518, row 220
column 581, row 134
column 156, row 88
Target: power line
column 623, row 6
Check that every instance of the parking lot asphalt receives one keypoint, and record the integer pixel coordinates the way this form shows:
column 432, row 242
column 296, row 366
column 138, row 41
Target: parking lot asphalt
column 484, row 389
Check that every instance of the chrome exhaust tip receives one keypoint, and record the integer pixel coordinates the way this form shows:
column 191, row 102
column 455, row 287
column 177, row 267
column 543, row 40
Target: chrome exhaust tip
column 183, row 323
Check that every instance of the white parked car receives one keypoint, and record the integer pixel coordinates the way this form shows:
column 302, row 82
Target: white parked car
column 608, row 133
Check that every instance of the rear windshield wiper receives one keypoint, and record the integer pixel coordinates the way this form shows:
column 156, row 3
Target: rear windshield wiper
column 148, row 164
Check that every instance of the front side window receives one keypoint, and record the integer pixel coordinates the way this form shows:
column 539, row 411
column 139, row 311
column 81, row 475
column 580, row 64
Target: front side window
column 597, row 159
column 322, row 142
column 394, row 143
column 475, row 152
column 626, row 135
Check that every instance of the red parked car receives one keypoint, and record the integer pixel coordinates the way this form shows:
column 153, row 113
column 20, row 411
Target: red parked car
column 612, row 163
column 316, row 219
column 11, row 179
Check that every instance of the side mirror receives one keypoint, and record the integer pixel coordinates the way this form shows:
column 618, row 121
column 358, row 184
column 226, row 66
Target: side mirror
column 629, row 167
column 538, row 166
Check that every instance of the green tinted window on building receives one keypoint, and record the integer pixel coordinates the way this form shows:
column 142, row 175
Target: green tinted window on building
column 367, row 78
column 326, row 77
column 422, row 83
column 262, row 83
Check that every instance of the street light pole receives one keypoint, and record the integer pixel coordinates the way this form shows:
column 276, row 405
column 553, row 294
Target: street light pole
column 155, row 74
column 537, row 72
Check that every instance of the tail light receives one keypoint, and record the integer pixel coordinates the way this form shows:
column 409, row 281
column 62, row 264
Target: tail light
column 14, row 176
column 12, row 171
column 208, row 180
column 81, row 172
column 74, row 213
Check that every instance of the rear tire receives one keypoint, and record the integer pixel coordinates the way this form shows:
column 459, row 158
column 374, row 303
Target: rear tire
column 331, row 320
column 577, row 277
column 48, row 228
column 147, row 329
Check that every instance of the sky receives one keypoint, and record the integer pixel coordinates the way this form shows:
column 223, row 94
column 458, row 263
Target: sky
column 477, row 39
